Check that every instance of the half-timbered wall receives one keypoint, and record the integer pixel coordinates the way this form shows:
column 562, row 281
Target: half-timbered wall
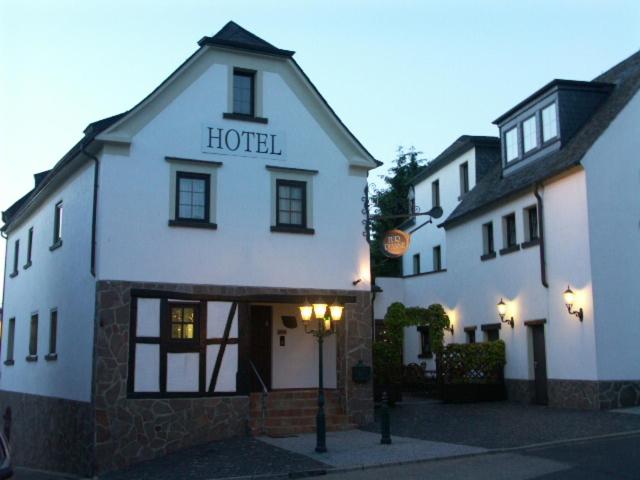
column 160, row 365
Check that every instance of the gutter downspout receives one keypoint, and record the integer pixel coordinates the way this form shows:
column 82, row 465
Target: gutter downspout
column 94, row 212
column 4, row 286
column 543, row 261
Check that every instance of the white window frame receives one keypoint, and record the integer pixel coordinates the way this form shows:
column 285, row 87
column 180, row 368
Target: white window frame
column 513, row 129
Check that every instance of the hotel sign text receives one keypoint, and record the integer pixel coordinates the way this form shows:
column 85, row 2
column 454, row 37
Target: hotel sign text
column 243, row 142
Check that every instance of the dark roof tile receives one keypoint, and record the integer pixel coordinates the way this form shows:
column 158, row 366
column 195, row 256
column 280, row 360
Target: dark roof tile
column 234, row 36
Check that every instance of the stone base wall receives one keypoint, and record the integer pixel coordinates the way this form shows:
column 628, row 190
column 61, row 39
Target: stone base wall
column 49, row 433
column 131, row 430
column 520, row 391
column 580, row 394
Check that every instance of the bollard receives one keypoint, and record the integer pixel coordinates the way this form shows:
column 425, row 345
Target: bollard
column 385, row 421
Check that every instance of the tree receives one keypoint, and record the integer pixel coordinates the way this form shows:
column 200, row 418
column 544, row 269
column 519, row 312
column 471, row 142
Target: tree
column 391, row 199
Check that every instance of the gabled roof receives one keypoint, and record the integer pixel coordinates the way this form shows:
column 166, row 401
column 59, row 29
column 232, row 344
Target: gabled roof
column 494, row 188
column 234, row 36
column 453, row 151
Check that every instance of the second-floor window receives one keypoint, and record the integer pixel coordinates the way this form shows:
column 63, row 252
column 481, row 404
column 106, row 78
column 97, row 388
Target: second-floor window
column 511, row 144
column 16, row 257
column 416, row 263
column 243, row 92
column 192, row 196
column 549, row 123
column 11, row 336
column 509, row 226
column 33, row 337
column 435, row 193
column 529, row 134
column 464, row 178
column 53, row 335
column 437, row 259
column 57, row 224
column 531, row 225
column 291, row 203
column 29, row 248
column 487, row 239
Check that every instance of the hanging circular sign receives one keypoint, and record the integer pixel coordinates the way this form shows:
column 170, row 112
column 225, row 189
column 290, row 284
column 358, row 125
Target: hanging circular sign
column 395, row 243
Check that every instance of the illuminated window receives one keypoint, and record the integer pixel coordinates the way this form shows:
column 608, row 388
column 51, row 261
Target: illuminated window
column 184, row 322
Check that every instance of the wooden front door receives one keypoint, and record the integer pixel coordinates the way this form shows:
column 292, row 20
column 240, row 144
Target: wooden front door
column 539, row 364
column 260, row 346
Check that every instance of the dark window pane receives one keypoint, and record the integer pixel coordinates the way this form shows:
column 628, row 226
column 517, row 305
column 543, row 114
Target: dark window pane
column 192, row 196
column 243, row 93
column 53, row 332
column 33, row 336
column 291, row 203
column 11, row 338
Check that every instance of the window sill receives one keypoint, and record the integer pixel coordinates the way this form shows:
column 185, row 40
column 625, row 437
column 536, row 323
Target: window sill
column 192, row 224
column 31, row 358
column 27, row 265
column 50, row 357
column 244, row 118
column 56, row 245
column 291, row 229
column 488, row 256
column 511, row 249
column 13, row 274
column 530, row 243
column 9, row 362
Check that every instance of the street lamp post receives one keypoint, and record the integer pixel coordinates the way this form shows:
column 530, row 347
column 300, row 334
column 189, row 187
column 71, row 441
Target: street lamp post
column 326, row 317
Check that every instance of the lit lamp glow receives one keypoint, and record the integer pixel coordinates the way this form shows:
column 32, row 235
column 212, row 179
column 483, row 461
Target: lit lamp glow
column 569, row 298
column 336, row 311
column 319, row 309
column 502, row 311
column 306, row 311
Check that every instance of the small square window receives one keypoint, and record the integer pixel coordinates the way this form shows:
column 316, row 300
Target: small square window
column 437, row 259
column 509, row 230
column 435, row 193
column 471, row 336
column 492, row 335
column 511, row 144
column 487, row 239
column 244, row 92
column 529, row 134
column 184, row 322
column 531, row 223
column 291, row 203
column 549, row 122
column 416, row 263
column 192, row 196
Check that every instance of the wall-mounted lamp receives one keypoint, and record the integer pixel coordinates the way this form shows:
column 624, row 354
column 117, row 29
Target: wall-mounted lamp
column 449, row 329
column 568, row 301
column 356, row 281
column 502, row 311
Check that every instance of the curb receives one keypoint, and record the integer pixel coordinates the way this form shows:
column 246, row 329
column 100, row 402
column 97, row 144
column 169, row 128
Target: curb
column 493, row 451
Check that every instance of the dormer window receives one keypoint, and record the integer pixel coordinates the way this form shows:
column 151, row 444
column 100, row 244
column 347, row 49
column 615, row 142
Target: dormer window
column 511, row 144
column 549, row 123
column 244, row 92
column 529, row 134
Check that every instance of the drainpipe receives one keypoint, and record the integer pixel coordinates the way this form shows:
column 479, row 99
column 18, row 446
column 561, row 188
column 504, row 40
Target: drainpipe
column 96, row 171
column 4, row 285
column 543, row 262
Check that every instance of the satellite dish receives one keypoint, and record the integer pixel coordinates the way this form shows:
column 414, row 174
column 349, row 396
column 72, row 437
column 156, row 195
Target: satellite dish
column 435, row 212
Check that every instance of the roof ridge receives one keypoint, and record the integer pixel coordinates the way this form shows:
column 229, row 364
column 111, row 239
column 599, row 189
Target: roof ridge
column 235, row 36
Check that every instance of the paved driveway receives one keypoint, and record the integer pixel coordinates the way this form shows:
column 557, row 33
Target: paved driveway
column 502, row 424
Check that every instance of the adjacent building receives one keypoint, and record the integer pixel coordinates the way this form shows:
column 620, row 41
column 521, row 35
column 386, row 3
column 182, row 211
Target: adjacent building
column 154, row 274
column 542, row 226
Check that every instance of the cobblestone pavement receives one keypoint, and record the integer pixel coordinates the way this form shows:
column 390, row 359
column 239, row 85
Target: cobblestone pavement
column 227, row 458
column 501, row 424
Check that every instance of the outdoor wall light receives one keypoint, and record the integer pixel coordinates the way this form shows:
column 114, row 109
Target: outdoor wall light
column 356, row 281
column 502, row 311
column 449, row 329
column 569, row 297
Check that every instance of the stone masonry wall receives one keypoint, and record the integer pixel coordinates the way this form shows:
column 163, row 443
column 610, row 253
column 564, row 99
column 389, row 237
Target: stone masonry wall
column 131, row 430
column 49, row 433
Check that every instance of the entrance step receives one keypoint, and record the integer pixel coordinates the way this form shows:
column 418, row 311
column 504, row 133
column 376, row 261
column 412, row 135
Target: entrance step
column 290, row 412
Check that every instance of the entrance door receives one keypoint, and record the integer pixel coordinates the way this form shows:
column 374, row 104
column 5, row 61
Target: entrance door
column 261, row 346
column 539, row 364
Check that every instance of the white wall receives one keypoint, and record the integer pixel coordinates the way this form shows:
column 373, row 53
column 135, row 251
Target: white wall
column 137, row 244
column 430, row 236
column 613, row 180
column 296, row 364
column 471, row 288
column 57, row 279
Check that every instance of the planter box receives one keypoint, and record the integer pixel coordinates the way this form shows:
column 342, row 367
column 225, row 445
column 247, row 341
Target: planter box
column 473, row 392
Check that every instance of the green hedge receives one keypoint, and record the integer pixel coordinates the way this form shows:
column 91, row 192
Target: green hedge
column 473, row 362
